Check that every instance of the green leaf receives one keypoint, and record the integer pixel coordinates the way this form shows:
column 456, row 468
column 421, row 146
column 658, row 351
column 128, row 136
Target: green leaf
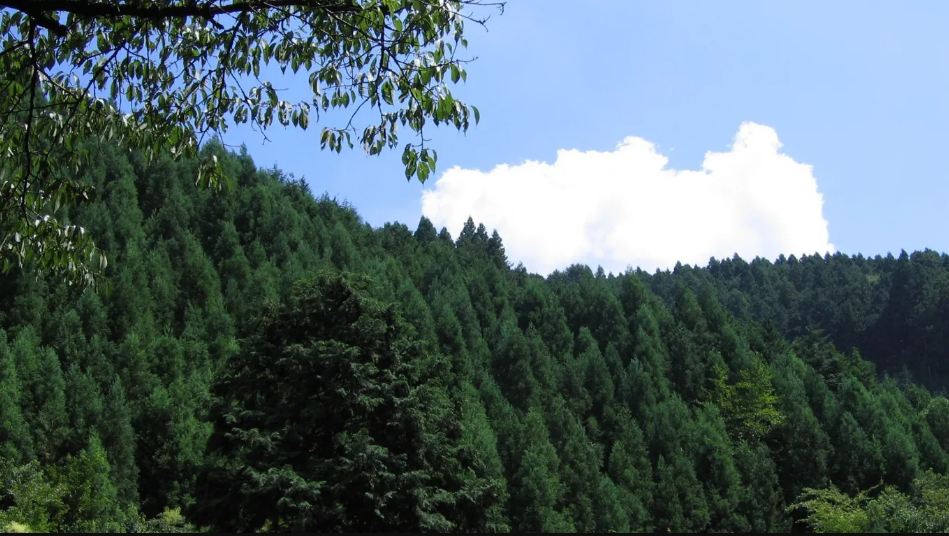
column 163, row 80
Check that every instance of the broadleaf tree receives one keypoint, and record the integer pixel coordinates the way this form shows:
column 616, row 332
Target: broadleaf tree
column 162, row 75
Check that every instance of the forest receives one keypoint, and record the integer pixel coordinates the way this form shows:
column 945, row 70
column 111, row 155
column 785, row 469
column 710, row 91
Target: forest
column 262, row 359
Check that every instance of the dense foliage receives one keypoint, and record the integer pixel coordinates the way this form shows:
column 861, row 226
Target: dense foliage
column 160, row 75
column 265, row 360
column 924, row 510
column 893, row 310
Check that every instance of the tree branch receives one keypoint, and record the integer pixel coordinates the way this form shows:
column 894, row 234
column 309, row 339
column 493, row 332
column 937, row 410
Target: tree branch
column 38, row 9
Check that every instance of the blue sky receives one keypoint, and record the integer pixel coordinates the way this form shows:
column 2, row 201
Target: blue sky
column 857, row 89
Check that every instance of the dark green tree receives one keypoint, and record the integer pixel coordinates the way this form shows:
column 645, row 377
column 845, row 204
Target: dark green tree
column 537, row 493
column 332, row 417
column 118, row 439
column 15, row 439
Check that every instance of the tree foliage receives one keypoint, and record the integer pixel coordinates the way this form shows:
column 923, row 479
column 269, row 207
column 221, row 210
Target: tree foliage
column 925, row 509
column 749, row 405
column 267, row 361
column 351, row 430
column 159, row 76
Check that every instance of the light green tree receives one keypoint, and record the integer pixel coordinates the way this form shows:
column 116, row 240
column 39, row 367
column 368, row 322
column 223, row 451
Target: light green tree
column 831, row 510
column 749, row 405
column 924, row 509
column 34, row 502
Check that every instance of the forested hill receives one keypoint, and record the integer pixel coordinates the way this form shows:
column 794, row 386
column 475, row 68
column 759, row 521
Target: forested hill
column 893, row 311
column 265, row 360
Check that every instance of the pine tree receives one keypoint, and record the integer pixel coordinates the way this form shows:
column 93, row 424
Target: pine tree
column 668, row 512
column 487, row 470
column 85, row 407
column 580, row 461
column 16, row 445
column 857, row 458
column 332, row 417
column 43, row 396
column 760, row 500
column 118, row 438
column 630, row 469
column 937, row 416
column 425, row 232
column 537, row 495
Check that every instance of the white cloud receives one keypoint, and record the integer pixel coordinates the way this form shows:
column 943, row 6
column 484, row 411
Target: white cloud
column 626, row 208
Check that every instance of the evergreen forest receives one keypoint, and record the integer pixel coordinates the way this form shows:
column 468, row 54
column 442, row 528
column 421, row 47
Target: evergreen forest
column 262, row 359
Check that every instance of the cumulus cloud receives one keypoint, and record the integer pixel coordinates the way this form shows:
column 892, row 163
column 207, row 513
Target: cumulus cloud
column 627, row 208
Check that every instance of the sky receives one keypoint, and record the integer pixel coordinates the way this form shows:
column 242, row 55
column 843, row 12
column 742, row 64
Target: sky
column 641, row 133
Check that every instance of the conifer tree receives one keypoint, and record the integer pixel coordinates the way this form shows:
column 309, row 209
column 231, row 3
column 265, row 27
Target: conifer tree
column 16, row 444
column 333, row 418
column 537, row 494
column 118, row 438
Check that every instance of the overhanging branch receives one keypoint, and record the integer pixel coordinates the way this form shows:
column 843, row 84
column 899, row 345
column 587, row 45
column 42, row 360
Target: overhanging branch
column 39, row 10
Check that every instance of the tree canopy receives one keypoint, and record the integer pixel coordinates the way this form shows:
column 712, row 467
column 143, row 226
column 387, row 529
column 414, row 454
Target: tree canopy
column 267, row 361
column 160, row 76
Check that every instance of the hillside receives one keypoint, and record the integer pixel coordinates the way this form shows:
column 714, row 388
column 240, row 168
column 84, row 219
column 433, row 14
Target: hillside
column 265, row 360
column 894, row 311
